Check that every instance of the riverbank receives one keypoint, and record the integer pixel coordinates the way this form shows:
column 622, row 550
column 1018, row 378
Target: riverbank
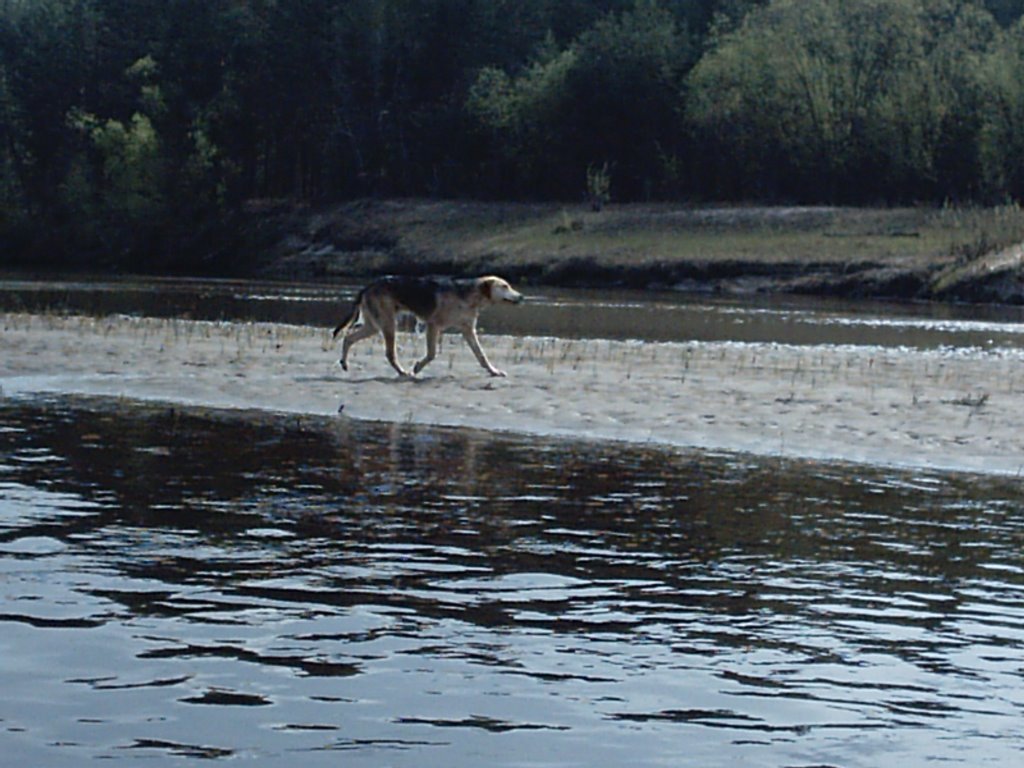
column 919, row 253
column 930, row 409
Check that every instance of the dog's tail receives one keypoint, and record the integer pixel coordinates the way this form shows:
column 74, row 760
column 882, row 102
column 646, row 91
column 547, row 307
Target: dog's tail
column 351, row 316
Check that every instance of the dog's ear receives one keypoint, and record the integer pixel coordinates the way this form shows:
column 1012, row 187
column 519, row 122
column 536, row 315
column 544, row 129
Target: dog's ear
column 487, row 287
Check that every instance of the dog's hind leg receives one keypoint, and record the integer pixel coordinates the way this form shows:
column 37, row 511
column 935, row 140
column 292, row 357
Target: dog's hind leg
column 433, row 335
column 353, row 336
column 350, row 318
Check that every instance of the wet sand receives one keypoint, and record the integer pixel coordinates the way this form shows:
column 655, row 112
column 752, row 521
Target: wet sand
column 937, row 409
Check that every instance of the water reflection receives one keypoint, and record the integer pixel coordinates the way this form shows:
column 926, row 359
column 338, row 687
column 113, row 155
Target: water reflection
column 187, row 584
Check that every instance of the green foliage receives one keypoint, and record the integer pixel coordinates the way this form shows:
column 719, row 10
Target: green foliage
column 1006, row 12
column 613, row 92
column 1001, row 144
column 129, row 164
column 524, row 116
column 131, row 131
column 599, row 186
column 810, row 93
column 13, row 213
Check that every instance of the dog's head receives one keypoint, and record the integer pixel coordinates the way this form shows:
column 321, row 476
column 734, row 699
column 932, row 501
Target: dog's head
column 496, row 289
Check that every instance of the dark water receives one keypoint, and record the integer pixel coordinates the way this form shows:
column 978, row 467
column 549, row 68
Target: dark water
column 180, row 585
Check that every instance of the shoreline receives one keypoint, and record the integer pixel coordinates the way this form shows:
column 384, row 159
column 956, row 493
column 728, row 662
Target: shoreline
column 941, row 410
column 941, row 254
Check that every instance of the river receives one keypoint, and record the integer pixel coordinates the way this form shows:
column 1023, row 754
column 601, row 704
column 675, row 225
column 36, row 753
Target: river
column 181, row 583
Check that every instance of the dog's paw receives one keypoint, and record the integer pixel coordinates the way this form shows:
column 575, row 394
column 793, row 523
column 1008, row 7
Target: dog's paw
column 343, row 364
column 499, row 374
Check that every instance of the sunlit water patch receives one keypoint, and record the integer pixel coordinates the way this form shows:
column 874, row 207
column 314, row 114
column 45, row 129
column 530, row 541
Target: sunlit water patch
column 180, row 585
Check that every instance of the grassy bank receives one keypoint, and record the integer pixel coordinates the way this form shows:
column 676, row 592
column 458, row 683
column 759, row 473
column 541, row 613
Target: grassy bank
column 919, row 252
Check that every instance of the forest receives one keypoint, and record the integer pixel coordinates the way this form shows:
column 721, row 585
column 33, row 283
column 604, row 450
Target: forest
column 133, row 131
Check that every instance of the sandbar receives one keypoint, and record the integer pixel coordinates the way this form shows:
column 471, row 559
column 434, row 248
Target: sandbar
column 937, row 409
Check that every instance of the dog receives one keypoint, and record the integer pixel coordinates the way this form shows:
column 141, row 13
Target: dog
column 440, row 303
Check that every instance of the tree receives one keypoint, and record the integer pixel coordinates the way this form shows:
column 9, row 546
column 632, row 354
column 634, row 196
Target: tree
column 794, row 93
column 48, row 48
column 1001, row 144
column 612, row 96
column 523, row 117
column 139, row 127
column 1005, row 12
column 845, row 101
column 931, row 122
column 13, row 159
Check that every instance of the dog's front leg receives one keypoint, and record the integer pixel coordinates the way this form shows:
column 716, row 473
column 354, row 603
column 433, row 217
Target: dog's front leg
column 469, row 334
column 389, row 351
column 433, row 335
